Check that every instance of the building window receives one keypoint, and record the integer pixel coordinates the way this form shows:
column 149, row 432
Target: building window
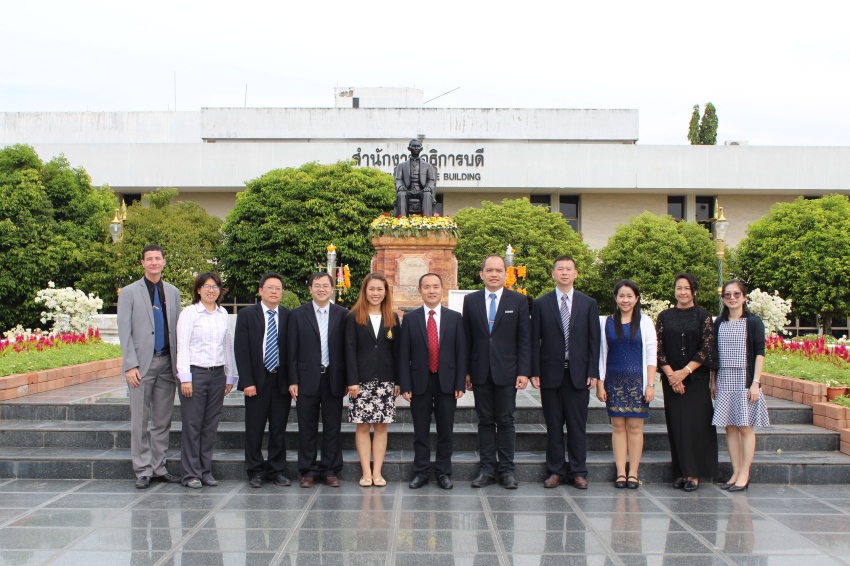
column 541, row 200
column 568, row 207
column 130, row 198
column 705, row 212
column 676, row 208
column 438, row 208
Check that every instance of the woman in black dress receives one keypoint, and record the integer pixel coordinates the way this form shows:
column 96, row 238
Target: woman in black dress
column 685, row 335
column 371, row 349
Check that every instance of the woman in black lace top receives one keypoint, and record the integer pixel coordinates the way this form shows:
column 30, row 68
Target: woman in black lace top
column 684, row 357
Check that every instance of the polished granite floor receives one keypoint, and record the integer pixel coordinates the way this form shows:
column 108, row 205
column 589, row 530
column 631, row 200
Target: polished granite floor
column 111, row 523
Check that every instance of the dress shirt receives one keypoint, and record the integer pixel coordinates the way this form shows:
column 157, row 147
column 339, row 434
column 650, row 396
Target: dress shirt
column 204, row 340
column 266, row 319
column 376, row 323
column 323, row 330
column 569, row 295
column 487, row 299
column 436, row 317
column 161, row 288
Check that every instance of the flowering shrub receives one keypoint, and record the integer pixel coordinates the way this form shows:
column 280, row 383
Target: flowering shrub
column 24, row 340
column 70, row 309
column 653, row 307
column 772, row 309
column 413, row 226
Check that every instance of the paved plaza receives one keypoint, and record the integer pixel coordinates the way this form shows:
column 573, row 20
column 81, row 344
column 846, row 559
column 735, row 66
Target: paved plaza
column 63, row 522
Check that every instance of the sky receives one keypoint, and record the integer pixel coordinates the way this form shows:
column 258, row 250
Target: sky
column 778, row 72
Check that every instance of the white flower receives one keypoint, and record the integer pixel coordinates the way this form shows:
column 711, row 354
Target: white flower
column 772, row 309
column 70, row 309
column 653, row 307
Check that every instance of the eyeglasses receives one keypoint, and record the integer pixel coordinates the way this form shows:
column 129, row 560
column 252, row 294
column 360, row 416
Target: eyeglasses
column 273, row 289
column 735, row 295
column 211, row 288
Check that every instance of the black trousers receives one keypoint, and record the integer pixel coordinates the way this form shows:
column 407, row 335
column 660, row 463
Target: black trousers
column 566, row 404
column 309, row 409
column 495, row 405
column 443, row 406
column 270, row 406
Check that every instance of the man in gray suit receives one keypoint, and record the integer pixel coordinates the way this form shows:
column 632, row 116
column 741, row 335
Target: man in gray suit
column 147, row 328
column 414, row 178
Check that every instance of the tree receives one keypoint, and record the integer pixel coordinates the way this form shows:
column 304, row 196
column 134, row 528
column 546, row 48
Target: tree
column 52, row 220
column 537, row 236
column 285, row 219
column 190, row 237
column 693, row 127
column 703, row 132
column 650, row 250
column 802, row 250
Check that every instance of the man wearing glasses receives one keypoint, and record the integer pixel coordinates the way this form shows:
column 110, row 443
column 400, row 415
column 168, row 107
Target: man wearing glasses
column 260, row 349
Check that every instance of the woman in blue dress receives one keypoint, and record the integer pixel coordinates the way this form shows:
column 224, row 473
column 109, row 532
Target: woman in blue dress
column 626, row 383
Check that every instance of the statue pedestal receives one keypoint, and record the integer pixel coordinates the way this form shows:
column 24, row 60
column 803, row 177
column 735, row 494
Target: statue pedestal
column 404, row 260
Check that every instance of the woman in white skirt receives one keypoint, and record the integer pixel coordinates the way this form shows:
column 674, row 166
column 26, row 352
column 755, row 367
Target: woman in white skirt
column 738, row 402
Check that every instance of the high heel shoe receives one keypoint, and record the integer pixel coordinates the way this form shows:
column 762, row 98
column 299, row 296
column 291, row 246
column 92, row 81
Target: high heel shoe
column 725, row 485
column 739, row 487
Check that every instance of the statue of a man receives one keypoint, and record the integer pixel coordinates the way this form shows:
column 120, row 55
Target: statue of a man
column 414, row 178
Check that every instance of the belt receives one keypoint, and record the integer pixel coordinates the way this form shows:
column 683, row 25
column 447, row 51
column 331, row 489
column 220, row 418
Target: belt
column 272, row 371
column 210, row 368
column 164, row 352
column 324, row 369
column 566, row 364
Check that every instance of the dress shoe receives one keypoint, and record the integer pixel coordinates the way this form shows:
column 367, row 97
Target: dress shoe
column 444, row 481
column 509, row 481
column 725, row 485
column 331, row 481
column 282, row 480
column 417, row 482
column 579, row 482
column 552, row 481
column 256, row 482
column 211, row 482
column 632, row 484
column 483, row 480
column 166, row 478
column 620, row 483
column 143, row 482
column 194, row 483
column 307, row 482
column 691, row 485
column 679, row 483
column 739, row 487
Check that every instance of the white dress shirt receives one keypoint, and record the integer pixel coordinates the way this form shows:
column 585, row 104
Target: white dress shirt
column 487, row 299
column 436, row 317
column 276, row 325
column 569, row 295
column 204, row 340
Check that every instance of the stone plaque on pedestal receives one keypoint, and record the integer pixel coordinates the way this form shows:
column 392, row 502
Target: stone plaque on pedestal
column 403, row 260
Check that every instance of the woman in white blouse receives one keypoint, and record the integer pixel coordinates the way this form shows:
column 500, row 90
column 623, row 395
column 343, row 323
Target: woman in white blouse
column 207, row 371
column 627, row 363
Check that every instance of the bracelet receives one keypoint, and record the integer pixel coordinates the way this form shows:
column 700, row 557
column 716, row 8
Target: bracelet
column 757, row 381
column 650, row 385
column 690, row 371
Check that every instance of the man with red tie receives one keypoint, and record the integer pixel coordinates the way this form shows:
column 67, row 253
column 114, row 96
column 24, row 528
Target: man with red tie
column 432, row 375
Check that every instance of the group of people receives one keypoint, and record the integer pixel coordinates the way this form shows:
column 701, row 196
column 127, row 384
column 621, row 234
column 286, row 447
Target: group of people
column 317, row 354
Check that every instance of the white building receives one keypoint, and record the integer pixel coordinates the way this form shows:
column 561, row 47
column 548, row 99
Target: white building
column 585, row 164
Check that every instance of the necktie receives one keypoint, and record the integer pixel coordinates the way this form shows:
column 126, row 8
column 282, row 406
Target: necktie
column 323, row 332
column 565, row 321
column 272, row 358
column 433, row 344
column 492, row 317
column 158, row 322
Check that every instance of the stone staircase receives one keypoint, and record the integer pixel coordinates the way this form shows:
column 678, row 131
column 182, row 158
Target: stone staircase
column 90, row 439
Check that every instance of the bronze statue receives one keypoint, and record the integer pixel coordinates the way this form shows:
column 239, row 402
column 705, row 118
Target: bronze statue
column 415, row 180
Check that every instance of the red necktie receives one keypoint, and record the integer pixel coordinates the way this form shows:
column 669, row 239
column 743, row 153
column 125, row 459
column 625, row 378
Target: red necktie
column 433, row 344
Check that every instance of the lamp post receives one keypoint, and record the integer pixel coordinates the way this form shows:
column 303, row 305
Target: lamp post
column 509, row 256
column 721, row 226
column 116, row 227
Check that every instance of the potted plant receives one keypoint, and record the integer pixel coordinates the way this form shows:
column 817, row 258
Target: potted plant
column 834, row 390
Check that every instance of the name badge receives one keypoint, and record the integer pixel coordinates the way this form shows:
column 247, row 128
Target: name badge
column 509, row 312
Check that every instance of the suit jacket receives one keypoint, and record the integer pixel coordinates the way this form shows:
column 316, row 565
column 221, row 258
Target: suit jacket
column 304, row 350
column 506, row 352
column 427, row 176
column 367, row 357
column 248, row 347
column 135, row 324
column 413, row 369
column 547, row 340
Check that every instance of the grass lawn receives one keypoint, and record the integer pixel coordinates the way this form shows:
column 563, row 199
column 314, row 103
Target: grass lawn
column 792, row 365
column 69, row 355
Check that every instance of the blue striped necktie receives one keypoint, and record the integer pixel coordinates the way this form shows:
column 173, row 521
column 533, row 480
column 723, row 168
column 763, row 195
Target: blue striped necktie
column 323, row 334
column 565, row 321
column 491, row 319
column 272, row 357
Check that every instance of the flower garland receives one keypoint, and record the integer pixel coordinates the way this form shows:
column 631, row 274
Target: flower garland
column 516, row 279
column 414, row 225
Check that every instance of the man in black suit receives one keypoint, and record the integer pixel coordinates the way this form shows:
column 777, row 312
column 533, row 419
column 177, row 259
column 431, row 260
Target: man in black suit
column 432, row 374
column 317, row 380
column 498, row 341
column 259, row 345
column 565, row 366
